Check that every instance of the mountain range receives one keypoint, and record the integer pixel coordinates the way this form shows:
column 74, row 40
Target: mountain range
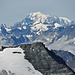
column 56, row 32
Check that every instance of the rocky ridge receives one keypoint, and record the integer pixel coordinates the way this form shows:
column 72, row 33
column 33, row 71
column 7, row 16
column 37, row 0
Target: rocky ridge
column 44, row 60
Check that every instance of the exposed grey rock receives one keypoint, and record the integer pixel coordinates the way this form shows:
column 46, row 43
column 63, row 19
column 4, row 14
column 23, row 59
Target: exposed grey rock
column 68, row 57
column 44, row 60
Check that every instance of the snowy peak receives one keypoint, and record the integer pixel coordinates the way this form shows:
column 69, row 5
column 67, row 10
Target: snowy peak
column 64, row 18
column 38, row 16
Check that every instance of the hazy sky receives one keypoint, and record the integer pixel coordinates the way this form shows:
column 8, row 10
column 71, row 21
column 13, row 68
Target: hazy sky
column 12, row 11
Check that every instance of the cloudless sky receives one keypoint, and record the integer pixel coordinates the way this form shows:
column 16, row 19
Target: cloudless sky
column 12, row 11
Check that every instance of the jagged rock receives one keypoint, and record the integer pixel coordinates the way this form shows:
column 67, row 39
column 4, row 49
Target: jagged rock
column 44, row 60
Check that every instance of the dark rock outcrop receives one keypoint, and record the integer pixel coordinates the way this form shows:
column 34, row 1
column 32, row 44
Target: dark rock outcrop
column 44, row 60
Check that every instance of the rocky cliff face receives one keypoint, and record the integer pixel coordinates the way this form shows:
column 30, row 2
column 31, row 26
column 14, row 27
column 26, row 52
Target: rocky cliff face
column 45, row 61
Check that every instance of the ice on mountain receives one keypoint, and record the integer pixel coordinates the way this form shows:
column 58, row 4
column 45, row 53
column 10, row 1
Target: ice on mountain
column 7, row 29
column 19, row 28
column 29, row 36
column 41, row 27
column 72, row 26
column 57, row 25
column 64, row 18
column 24, row 27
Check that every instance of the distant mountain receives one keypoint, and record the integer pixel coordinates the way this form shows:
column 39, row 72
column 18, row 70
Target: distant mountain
column 66, row 40
column 68, row 57
column 36, row 23
column 56, row 32
column 32, row 59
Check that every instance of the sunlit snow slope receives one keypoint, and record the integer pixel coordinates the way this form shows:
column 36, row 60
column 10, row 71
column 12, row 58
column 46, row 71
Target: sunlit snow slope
column 12, row 62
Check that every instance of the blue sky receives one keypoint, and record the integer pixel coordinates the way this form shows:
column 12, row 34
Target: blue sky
column 12, row 11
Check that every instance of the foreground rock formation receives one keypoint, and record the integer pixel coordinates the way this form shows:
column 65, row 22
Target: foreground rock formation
column 45, row 61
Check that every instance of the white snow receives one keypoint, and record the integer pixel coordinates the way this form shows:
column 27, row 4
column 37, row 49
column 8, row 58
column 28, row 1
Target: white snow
column 22, row 23
column 39, row 27
column 0, row 30
column 38, row 33
column 72, row 26
column 17, row 37
column 37, row 16
column 24, row 27
column 64, row 18
column 19, row 28
column 8, row 29
column 29, row 36
column 15, row 62
column 57, row 25
column 36, row 22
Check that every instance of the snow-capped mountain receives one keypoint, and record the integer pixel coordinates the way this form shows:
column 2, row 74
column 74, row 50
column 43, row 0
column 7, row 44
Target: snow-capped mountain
column 38, row 23
column 66, row 40
column 39, row 17
column 36, row 26
column 56, row 33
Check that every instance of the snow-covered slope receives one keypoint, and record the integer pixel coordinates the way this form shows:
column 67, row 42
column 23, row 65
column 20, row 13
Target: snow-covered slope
column 12, row 62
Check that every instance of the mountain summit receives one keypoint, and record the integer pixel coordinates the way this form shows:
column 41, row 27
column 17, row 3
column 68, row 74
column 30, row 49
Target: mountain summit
column 38, row 16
